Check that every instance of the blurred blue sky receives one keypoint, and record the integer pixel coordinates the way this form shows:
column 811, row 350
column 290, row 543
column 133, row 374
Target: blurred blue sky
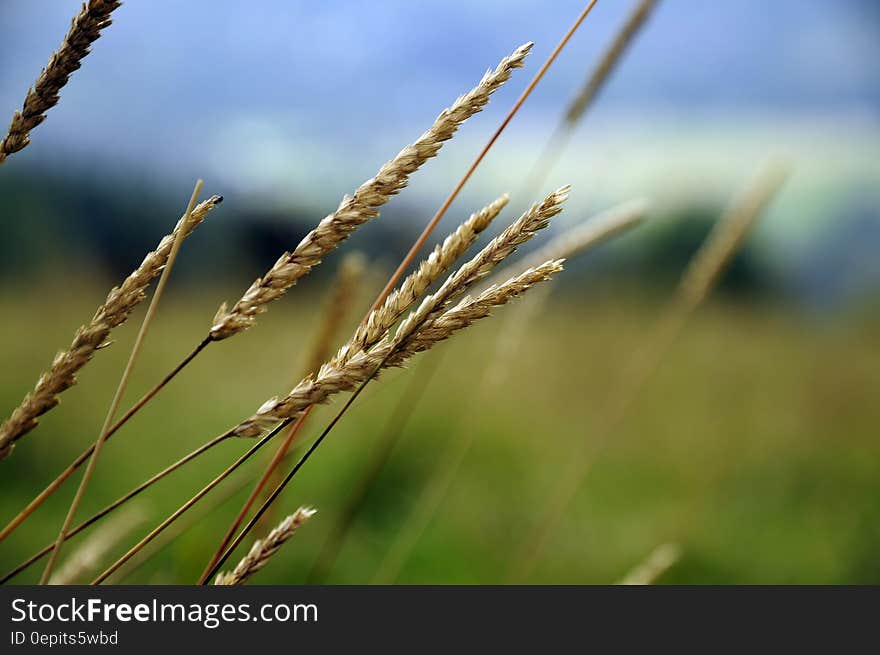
column 277, row 101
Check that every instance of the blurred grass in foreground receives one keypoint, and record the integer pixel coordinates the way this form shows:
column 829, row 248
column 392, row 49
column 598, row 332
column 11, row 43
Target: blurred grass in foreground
column 754, row 447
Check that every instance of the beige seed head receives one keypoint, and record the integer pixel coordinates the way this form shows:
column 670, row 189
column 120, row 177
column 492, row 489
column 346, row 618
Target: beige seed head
column 470, row 309
column 116, row 309
column 84, row 30
column 438, row 262
column 264, row 549
column 536, row 218
column 356, row 210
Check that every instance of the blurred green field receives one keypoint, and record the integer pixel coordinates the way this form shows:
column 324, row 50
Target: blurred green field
column 754, row 447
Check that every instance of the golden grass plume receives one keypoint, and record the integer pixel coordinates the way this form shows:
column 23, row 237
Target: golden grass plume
column 411, row 289
column 471, row 309
column 84, row 30
column 536, row 218
column 263, row 549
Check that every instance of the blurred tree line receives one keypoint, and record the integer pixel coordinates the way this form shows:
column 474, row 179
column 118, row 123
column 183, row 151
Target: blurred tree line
column 86, row 226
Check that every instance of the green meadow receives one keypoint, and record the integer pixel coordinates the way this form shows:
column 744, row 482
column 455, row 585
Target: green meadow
column 753, row 447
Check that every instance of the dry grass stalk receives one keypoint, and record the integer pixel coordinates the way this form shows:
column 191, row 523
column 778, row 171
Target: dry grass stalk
column 624, row 38
column 698, row 279
column 362, row 206
column 84, row 30
column 89, row 555
column 123, row 382
column 335, row 377
column 658, row 562
column 116, row 309
column 264, row 549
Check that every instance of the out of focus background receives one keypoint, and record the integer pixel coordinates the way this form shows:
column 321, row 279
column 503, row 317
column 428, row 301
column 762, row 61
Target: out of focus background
column 754, row 448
